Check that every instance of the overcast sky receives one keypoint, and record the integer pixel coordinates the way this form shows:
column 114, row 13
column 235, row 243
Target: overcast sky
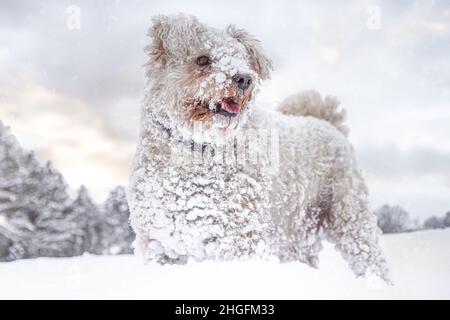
column 71, row 91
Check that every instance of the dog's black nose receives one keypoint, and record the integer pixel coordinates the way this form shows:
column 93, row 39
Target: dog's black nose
column 243, row 81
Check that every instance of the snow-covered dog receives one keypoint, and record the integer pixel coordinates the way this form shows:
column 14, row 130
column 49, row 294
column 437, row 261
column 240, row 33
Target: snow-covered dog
column 218, row 177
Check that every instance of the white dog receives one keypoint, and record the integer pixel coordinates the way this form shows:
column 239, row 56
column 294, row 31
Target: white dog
column 216, row 177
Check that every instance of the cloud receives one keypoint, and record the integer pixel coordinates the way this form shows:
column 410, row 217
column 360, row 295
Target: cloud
column 68, row 132
column 396, row 163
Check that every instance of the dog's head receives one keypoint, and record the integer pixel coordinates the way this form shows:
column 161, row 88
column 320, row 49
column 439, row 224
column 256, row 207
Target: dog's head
column 203, row 76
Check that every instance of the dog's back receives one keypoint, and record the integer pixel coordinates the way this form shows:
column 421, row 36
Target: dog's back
column 310, row 103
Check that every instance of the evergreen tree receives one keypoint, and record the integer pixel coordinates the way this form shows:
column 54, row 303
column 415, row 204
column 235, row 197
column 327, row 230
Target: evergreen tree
column 447, row 219
column 80, row 225
column 38, row 218
column 117, row 234
column 32, row 202
column 107, row 230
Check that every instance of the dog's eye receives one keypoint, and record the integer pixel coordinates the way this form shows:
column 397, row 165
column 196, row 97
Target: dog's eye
column 203, row 61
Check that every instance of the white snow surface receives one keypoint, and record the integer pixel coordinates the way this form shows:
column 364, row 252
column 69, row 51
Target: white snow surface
column 419, row 264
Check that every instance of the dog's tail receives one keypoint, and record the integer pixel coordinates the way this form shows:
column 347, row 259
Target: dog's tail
column 310, row 103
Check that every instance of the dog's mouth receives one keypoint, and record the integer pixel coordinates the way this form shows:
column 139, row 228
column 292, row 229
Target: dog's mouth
column 228, row 107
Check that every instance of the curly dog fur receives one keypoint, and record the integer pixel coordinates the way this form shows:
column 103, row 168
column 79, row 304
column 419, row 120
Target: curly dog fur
column 217, row 177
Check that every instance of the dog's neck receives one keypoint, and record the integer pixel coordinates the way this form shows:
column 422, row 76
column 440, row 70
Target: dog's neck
column 188, row 143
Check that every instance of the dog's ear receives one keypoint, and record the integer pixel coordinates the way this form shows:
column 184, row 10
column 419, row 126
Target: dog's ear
column 156, row 50
column 260, row 62
column 172, row 35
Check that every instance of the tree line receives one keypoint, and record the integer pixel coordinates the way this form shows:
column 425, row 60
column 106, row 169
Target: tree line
column 38, row 217
column 395, row 219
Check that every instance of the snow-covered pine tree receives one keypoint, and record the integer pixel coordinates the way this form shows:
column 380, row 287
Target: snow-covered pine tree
column 19, row 198
column 33, row 199
column 88, row 219
column 38, row 218
column 107, row 230
column 57, row 232
column 447, row 219
column 116, row 234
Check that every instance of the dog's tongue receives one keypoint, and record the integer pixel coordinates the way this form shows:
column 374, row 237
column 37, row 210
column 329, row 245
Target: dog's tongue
column 231, row 107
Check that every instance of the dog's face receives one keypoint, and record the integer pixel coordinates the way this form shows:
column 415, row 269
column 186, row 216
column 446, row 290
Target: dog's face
column 202, row 77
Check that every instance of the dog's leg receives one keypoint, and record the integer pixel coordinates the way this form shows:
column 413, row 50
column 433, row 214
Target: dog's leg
column 302, row 238
column 351, row 226
column 152, row 250
column 145, row 245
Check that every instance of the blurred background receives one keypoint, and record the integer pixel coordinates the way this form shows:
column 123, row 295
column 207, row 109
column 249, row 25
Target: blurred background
column 71, row 81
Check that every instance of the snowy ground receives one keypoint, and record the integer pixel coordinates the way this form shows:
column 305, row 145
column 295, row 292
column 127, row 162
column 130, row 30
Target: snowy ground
column 419, row 263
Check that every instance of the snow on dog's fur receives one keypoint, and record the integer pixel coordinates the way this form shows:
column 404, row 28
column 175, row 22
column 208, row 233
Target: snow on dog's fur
column 249, row 182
